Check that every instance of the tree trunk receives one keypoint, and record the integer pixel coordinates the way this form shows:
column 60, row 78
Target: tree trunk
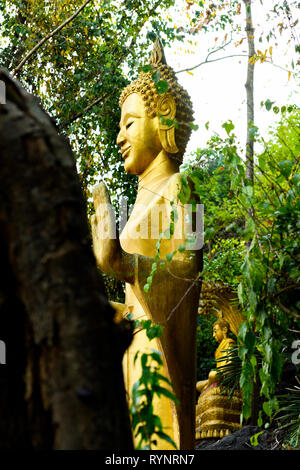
column 250, row 161
column 62, row 385
column 250, row 91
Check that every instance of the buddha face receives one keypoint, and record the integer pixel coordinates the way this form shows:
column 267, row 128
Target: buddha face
column 139, row 135
column 219, row 333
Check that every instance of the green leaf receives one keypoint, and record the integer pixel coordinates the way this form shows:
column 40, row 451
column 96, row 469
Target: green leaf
column 136, row 356
column 169, row 256
column 253, row 132
column 262, row 162
column 144, row 360
column 248, row 191
column 228, row 126
column 134, row 391
column 163, row 378
column 193, row 126
column 259, row 420
column 147, row 68
column 286, row 167
column 209, row 233
column 154, row 267
column 269, row 104
column 250, row 226
column 253, row 361
column 246, row 410
column 250, row 340
column 240, row 293
column 151, row 35
column 164, row 391
column 252, row 300
column 243, row 329
column 254, row 438
column 243, row 351
column 267, row 408
column 154, row 332
column 156, row 356
column 168, row 122
column 167, row 438
column 161, row 87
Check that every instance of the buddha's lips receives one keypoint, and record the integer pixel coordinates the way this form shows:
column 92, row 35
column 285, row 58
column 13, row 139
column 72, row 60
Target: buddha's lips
column 125, row 152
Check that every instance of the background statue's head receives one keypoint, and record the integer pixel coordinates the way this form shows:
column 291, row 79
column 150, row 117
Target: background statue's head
column 221, row 329
column 172, row 110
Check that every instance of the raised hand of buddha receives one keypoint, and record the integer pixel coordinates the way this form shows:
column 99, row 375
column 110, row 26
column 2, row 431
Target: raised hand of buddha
column 110, row 257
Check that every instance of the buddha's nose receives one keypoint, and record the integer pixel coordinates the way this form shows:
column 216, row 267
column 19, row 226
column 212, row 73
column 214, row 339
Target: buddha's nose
column 120, row 138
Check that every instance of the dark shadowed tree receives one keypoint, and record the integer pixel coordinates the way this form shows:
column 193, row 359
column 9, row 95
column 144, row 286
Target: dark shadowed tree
column 62, row 385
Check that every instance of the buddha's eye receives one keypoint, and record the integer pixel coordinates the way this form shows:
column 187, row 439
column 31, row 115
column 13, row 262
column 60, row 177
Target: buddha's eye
column 129, row 124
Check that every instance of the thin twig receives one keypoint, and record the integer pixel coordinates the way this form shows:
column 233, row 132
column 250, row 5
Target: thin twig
column 185, row 294
column 210, row 61
column 287, row 310
column 230, row 56
column 85, row 110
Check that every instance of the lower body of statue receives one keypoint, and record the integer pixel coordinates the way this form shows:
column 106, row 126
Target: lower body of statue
column 162, row 406
column 217, row 414
column 179, row 358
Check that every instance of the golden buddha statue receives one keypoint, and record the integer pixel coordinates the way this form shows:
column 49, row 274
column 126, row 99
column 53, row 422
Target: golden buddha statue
column 216, row 414
column 154, row 131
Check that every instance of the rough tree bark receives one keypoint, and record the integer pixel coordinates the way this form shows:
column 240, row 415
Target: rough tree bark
column 250, row 160
column 62, row 386
column 250, row 91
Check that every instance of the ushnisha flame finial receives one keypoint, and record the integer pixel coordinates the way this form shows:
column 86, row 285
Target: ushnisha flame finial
column 158, row 55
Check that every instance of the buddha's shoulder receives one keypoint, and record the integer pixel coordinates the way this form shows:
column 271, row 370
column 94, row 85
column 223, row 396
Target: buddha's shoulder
column 229, row 343
column 174, row 180
column 174, row 184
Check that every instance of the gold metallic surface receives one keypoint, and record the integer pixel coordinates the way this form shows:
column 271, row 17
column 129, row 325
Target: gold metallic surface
column 152, row 148
column 220, row 299
column 217, row 414
column 174, row 105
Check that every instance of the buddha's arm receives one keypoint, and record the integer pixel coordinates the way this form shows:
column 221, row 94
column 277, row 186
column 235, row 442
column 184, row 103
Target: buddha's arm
column 201, row 385
column 212, row 377
column 110, row 257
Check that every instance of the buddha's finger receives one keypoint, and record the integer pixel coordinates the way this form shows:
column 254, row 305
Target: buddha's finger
column 100, row 194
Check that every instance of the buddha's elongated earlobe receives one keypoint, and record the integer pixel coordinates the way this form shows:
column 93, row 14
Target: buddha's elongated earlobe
column 166, row 112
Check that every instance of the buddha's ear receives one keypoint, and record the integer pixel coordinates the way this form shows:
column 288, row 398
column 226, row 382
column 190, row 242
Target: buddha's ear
column 166, row 111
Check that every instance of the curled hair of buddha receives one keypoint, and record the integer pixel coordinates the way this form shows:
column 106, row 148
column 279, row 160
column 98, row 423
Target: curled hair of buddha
column 173, row 107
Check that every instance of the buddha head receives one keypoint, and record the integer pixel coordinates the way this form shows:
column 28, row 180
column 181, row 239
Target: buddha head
column 152, row 122
column 221, row 330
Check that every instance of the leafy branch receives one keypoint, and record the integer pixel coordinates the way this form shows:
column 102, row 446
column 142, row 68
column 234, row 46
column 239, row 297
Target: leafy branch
column 147, row 426
column 46, row 38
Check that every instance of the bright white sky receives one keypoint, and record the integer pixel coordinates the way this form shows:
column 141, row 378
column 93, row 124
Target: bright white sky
column 217, row 89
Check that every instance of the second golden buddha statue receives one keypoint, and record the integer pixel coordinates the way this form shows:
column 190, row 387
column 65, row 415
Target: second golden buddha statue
column 217, row 414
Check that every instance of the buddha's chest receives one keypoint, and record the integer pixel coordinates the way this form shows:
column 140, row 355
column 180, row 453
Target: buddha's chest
column 149, row 218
